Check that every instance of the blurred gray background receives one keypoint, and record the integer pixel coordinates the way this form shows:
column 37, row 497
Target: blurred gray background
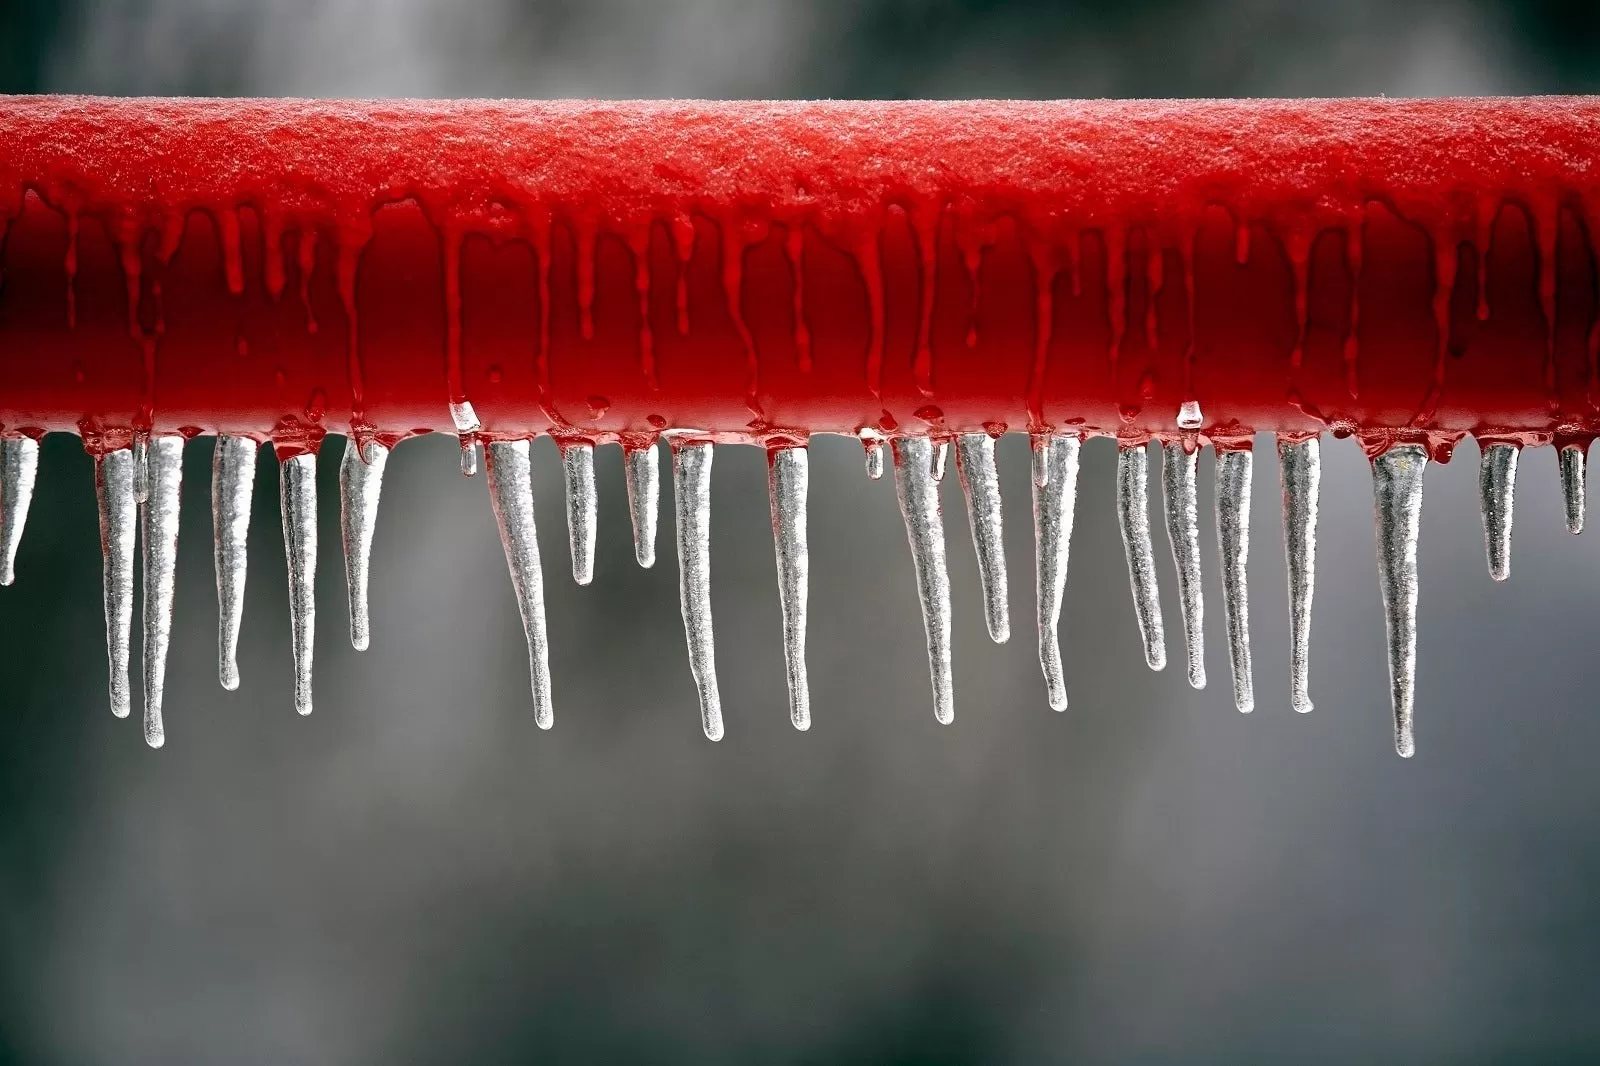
column 417, row 874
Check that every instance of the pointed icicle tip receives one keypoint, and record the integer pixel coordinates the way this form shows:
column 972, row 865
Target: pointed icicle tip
column 297, row 478
column 980, row 480
column 1054, row 506
column 1572, row 485
column 19, row 467
column 1397, row 497
column 1179, row 473
column 511, row 495
column 691, row 483
column 1300, row 470
column 577, row 462
column 1497, row 488
column 642, row 470
column 1234, row 471
column 788, row 485
column 360, row 489
column 159, row 531
column 1133, row 517
column 919, row 505
column 113, row 484
column 233, row 481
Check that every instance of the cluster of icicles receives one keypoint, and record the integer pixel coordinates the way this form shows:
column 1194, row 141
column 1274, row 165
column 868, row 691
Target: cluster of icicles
column 138, row 488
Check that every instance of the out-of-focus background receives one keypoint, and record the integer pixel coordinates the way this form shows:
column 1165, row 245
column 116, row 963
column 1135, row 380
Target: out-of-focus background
column 417, row 874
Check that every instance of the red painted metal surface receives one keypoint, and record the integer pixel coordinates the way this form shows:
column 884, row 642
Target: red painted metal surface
column 1390, row 269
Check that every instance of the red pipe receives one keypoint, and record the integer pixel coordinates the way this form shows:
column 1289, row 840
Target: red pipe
column 1394, row 269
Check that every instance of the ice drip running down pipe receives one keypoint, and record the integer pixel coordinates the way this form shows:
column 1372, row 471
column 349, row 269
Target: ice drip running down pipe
column 1405, row 273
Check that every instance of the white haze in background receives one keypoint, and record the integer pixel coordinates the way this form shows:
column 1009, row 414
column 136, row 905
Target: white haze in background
column 357, row 886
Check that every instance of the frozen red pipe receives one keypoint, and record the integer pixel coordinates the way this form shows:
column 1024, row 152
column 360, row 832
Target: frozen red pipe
column 1406, row 272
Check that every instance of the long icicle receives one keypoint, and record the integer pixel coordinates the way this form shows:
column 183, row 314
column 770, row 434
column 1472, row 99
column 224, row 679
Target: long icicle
column 233, row 481
column 577, row 461
column 19, row 467
column 918, row 490
column 980, row 481
column 1572, row 485
column 1397, row 497
column 1133, row 516
column 511, row 495
column 788, row 485
column 159, row 530
column 691, row 484
column 113, row 489
column 1179, row 493
column 360, row 489
column 1234, row 471
column 297, row 481
column 1055, row 494
column 642, row 471
column 1497, row 487
column 1300, row 470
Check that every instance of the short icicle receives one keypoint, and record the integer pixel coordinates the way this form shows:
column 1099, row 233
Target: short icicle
column 158, row 523
column 1300, row 470
column 1179, row 473
column 691, row 483
column 1055, row 495
column 1234, row 471
column 1133, row 475
column 233, row 484
column 360, row 488
column 577, row 463
column 642, row 470
column 113, row 485
column 1397, row 496
column 1497, row 487
column 465, row 419
column 788, row 485
column 297, row 481
column 872, row 447
column 1572, row 485
column 980, row 480
column 511, row 495
column 19, row 467
column 919, row 504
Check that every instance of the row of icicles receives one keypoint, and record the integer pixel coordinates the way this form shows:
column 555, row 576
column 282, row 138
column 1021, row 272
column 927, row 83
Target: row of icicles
column 138, row 491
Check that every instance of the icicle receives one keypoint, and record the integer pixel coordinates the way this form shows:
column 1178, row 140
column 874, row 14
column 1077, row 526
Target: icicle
column 297, row 482
column 1397, row 495
column 511, row 494
column 1041, row 459
column 360, row 487
column 233, row 483
column 642, row 468
column 1054, row 504
column 1178, row 476
column 113, row 485
column 1133, row 515
column 141, row 466
column 691, row 483
column 919, row 504
column 872, row 446
column 158, row 528
column 577, row 461
column 1572, row 479
column 1233, row 541
column 465, row 419
column 981, row 483
column 19, row 465
column 1300, row 470
column 788, row 483
column 941, row 453
column 1497, row 486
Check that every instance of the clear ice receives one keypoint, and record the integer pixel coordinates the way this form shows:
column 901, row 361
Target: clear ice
column 577, row 463
column 918, row 491
column 297, row 480
column 980, row 480
column 360, row 488
column 159, row 530
column 511, row 495
column 233, row 481
column 1300, row 470
column 1234, row 469
column 1133, row 516
column 1397, row 497
column 19, row 466
column 1179, row 473
column 788, row 485
column 1055, row 494
column 691, row 483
